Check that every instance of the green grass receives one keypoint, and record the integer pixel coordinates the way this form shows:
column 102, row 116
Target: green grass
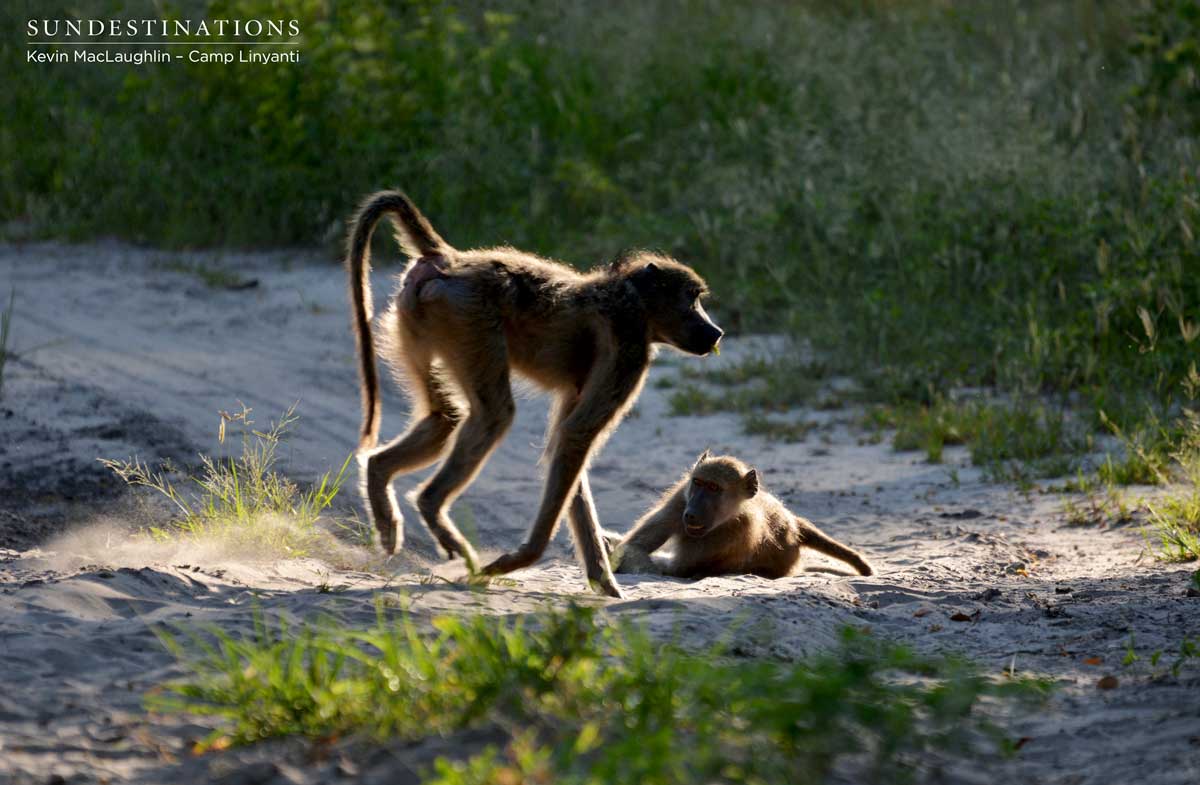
column 1187, row 653
column 241, row 500
column 757, row 383
column 1146, row 454
column 1174, row 525
column 778, row 430
column 582, row 701
column 1109, row 507
column 211, row 276
column 752, row 387
column 929, row 197
column 1019, row 441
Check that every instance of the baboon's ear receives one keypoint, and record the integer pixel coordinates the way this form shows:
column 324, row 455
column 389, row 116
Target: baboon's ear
column 645, row 278
column 750, row 483
column 704, row 456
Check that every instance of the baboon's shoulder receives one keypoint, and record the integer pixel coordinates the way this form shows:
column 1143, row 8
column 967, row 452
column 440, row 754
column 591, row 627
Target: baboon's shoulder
column 508, row 261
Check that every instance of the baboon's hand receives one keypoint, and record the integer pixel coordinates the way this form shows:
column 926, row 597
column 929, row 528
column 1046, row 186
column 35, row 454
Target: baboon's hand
column 610, row 540
column 521, row 557
column 634, row 560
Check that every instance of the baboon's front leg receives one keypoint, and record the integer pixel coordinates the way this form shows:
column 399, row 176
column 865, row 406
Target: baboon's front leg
column 561, row 481
column 589, row 543
column 634, row 552
column 610, row 385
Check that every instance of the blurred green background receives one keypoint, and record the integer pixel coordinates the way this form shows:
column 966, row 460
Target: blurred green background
column 933, row 193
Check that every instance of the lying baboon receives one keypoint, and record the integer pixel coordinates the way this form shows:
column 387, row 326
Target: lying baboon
column 723, row 522
column 461, row 321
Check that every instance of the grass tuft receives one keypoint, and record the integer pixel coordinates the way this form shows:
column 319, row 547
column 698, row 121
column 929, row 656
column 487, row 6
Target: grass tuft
column 777, row 430
column 582, row 701
column 210, row 275
column 1175, row 523
column 1014, row 441
column 1174, row 518
column 240, row 500
column 1104, row 508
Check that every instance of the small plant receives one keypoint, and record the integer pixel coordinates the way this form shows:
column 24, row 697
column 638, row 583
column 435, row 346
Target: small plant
column 772, row 429
column 240, row 498
column 751, row 388
column 1175, row 522
column 690, row 400
column 1018, row 442
column 761, row 383
column 355, row 530
column 1099, row 508
column 213, row 277
column 1188, row 653
column 584, row 701
column 473, row 581
column 1146, row 459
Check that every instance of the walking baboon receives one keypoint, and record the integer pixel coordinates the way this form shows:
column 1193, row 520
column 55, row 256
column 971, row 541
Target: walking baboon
column 723, row 522
column 462, row 321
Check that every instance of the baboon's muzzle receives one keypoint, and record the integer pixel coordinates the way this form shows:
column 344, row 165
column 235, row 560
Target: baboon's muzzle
column 703, row 339
column 692, row 526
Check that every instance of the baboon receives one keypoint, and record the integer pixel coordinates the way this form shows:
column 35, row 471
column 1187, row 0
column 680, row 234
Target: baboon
column 723, row 522
column 461, row 322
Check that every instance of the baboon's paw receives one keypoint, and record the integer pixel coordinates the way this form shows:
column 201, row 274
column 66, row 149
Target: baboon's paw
column 388, row 536
column 607, row 587
column 610, row 540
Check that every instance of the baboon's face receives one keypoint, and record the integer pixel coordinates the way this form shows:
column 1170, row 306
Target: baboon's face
column 715, row 493
column 672, row 293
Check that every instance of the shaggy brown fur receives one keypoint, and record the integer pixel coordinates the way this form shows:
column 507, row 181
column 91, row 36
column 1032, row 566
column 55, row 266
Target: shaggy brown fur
column 462, row 321
column 724, row 523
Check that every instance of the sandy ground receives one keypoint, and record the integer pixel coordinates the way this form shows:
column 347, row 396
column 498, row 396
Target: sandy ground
column 120, row 355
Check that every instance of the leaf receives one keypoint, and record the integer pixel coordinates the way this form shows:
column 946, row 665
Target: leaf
column 935, row 628
column 920, row 613
column 1093, row 661
column 960, row 616
column 588, row 738
column 1147, row 323
column 1189, row 330
column 1108, row 683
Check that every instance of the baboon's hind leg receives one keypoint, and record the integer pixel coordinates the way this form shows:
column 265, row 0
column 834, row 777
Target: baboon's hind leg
column 818, row 540
column 590, row 546
column 489, row 392
column 434, row 419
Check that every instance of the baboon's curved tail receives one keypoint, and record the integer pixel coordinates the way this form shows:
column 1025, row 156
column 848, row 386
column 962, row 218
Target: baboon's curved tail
column 820, row 541
column 417, row 238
